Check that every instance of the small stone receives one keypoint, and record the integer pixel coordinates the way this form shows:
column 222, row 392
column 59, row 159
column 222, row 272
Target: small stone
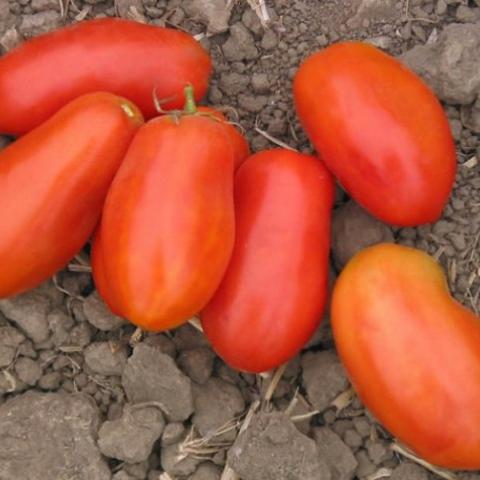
column 130, row 9
column 449, row 65
column 269, row 40
column 465, row 14
column 240, row 44
column 441, row 7
column 101, row 358
column 50, row 436
column 260, row 83
column 378, row 452
column 80, row 335
column 353, row 439
column 252, row 22
column 456, row 127
column 458, row 241
column 442, row 227
column 335, row 453
column 99, row 315
column 232, row 83
column 60, row 325
column 409, row 471
column 122, row 475
column 28, row 370
column 197, row 363
column 207, row 471
column 272, row 448
column 187, row 337
column 162, row 343
column 252, row 103
column 32, row 25
column 353, row 229
column 362, row 426
column 150, row 375
column 44, row 5
column 215, row 14
column 131, row 437
column 172, row 433
column 365, row 466
column 10, row 340
column 50, row 381
column 29, row 311
column 216, row 403
column 323, row 378
column 176, row 464
column 137, row 470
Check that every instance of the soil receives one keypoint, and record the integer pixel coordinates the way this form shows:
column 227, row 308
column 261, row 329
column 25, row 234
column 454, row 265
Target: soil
column 78, row 401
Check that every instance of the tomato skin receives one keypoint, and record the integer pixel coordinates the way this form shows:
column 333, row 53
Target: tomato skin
column 54, row 181
column 273, row 294
column 411, row 351
column 379, row 129
column 239, row 142
column 168, row 225
column 120, row 56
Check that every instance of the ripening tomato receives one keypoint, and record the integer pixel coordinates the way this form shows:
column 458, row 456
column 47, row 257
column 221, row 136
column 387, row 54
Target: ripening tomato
column 127, row 58
column 412, row 352
column 53, row 182
column 273, row 294
column 379, row 129
column 167, row 228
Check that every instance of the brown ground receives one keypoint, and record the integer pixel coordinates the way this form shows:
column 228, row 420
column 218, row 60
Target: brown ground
column 77, row 402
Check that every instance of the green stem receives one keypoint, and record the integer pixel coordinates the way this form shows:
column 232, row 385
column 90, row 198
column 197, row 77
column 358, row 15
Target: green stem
column 190, row 106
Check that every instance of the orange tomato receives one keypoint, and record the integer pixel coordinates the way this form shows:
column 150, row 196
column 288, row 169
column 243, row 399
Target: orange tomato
column 54, row 181
column 412, row 352
column 379, row 129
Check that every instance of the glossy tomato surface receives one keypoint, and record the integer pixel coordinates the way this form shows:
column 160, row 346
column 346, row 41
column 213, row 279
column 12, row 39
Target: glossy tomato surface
column 54, row 181
column 412, row 352
column 167, row 228
column 127, row 58
column 379, row 129
column 273, row 294
column 239, row 142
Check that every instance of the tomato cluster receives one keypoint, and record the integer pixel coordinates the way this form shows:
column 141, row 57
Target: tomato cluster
column 184, row 221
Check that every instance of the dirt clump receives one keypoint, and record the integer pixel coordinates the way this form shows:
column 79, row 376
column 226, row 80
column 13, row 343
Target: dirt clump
column 323, row 378
column 57, row 433
column 144, row 424
column 272, row 448
column 353, row 229
column 152, row 376
column 450, row 64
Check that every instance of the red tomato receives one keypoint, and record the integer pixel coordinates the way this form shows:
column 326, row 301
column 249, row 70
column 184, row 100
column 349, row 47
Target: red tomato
column 412, row 352
column 119, row 56
column 167, row 228
column 273, row 294
column 54, row 181
column 379, row 129
column 240, row 144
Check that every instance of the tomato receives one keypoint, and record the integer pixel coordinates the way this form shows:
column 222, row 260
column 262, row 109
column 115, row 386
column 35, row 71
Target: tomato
column 240, row 144
column 412, row 352
column 119, row 56
column 167, row 228
column 379, row 129
column 54, row 181
column 273, row 294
